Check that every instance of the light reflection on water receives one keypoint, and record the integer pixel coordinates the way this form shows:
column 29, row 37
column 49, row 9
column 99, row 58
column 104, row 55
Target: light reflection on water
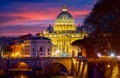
column 112, row 70
column 108, row 70
column 115, row 71
column 21, row 76
column 99, row 70
column 61, row 77
column 85, row 70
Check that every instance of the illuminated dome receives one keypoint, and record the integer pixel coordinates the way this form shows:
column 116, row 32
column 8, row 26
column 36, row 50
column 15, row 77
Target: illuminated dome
column 64, row 22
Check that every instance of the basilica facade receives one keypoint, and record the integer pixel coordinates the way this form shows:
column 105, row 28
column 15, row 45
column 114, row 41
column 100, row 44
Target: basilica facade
column 63, row 34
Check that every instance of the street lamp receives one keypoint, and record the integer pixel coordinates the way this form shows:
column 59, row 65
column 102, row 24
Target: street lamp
column 112, row 55
column 99, row 55
column 108, row 66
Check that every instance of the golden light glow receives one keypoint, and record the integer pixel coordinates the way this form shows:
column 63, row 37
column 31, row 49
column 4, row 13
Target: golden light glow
column 64, row 33
column 108, row 66
column 57, row 53
column 17, row 54
column 115, row 72
column 65, row 8
column 80, row 70
column 81, row 63
column 85, row 71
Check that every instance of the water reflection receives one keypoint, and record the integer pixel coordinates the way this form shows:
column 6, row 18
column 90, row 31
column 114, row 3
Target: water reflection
column 97, row 70
column 112, row 70
column 21, row 75
column 115, row 71
column 18, row 74
column 84, row 70
column 80, row 70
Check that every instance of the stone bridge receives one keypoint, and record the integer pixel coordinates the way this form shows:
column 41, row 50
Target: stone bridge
column 36, row 63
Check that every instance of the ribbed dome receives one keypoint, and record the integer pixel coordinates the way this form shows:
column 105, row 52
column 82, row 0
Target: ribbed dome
column 64, row 14
column 64, row 17
column 64, row 21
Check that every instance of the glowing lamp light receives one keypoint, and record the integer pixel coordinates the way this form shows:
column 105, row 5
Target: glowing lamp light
column 57, row 51
column 119, row 57
column 112, row 55
column 82, row 63
column 108, row 66
column 99, row 55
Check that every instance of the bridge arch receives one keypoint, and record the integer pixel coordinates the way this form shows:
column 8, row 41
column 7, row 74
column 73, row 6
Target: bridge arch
column 20, row 66
column 56, row 67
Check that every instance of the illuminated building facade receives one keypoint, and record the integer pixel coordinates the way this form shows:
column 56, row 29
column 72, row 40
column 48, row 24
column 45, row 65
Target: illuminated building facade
column 63, row 34
column 33, row 47
column 17, row 49
column 37, row 47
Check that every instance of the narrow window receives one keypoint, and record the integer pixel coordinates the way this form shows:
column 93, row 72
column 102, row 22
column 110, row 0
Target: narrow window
column 41, row 49
column 48, row 49
column 33, row 49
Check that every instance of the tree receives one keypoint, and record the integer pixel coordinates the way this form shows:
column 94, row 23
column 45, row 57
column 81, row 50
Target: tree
column 105, row 16
column 103, row 25
column 6, row 50
column 86, row 46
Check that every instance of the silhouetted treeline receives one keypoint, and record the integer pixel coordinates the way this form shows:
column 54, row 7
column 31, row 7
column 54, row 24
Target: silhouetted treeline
column 103, row 26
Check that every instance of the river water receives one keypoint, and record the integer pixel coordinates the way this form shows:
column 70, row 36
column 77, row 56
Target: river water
column 92, row 70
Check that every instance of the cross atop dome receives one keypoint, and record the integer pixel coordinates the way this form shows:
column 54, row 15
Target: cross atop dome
column 64, row 8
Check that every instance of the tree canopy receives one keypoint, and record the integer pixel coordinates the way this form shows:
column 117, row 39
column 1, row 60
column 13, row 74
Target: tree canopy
column 6, row 49
column 105, row 17
column 103, row 25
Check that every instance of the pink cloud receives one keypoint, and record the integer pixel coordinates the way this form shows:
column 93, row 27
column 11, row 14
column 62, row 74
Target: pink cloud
column 80, row 13
column 28, row 18
column 31, row 13
column 49, row 14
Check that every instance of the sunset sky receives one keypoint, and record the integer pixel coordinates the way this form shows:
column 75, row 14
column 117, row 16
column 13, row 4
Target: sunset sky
column 19, row 17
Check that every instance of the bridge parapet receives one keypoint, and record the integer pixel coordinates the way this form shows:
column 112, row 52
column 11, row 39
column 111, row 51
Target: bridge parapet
column 97, row 60
column 38, row 58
